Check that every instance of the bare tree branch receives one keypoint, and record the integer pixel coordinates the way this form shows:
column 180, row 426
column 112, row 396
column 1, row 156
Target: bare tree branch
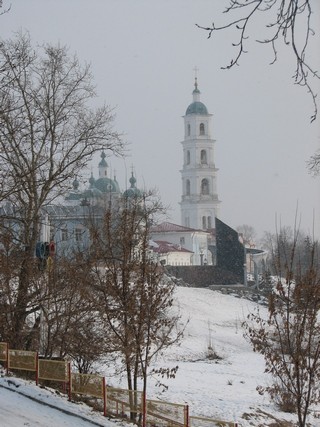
column 283, row 26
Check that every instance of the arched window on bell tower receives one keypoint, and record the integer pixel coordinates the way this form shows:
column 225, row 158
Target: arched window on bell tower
column 188, row 157
column 201, row 128
column 187, row 187
column 204, row 187
column 203, row 157
column 188, row 129
column 204, row 223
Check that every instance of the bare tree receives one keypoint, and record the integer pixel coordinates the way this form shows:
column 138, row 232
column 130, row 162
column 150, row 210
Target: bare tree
column 4, row 10
column 135, row 298
column 48, row 133
column 289, row 337
column 247, row 232
column 314, row 164
column 287, row 21
column 279, row 246
column 69, row 325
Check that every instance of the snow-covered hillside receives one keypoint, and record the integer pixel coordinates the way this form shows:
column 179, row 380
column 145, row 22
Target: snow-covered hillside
column 223, row 389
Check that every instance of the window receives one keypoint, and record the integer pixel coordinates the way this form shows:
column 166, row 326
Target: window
column 205, row 187
column 209, row 222
column 182, row 241
column 204, row 222
column 201, row 128
column 188, row 129
column 78, row 234
column 64, row 234
column 203, row 157
column 187, row 187
column 188, row 158
column 52, row 232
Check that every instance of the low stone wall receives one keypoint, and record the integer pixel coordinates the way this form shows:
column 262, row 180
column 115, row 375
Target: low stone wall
column 203, row 276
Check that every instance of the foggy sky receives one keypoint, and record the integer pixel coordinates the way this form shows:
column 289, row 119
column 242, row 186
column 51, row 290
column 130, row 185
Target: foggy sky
column 143, row 54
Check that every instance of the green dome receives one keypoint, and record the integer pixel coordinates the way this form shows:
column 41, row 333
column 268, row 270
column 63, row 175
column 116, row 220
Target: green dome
column 75, row 193
column 103, row 162
column 91, row 180
column 196, row 107
column 133, row 191
column 106, row 185
column 75, row 184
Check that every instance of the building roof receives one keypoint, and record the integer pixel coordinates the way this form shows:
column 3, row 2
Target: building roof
column 196, row 107
column 72, row 212
column 167, row 227
column 163, row 247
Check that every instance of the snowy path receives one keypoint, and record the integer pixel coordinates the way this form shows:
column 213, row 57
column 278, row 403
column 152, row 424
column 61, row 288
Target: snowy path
column 17, row 410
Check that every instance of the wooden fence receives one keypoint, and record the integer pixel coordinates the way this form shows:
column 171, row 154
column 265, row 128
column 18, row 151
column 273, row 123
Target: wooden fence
column 131, row 405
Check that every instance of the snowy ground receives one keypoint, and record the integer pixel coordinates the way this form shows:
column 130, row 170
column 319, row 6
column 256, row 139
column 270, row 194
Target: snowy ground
column 16, row 410
column 223, row 389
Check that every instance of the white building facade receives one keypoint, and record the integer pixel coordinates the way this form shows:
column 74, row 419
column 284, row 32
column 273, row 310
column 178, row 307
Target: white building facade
column 171, row 254
column 199, row 203
column 195, row 241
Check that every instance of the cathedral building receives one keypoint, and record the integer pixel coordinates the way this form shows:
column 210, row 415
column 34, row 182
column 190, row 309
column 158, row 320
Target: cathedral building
column 192, row 242
column 68, row 223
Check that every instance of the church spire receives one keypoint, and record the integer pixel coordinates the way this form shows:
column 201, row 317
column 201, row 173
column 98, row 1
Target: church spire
column 196, row 91
column 103, row 165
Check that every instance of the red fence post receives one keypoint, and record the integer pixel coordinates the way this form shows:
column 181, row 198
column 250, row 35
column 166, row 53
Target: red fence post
column 69, row 381
column 7, row 356
column 186, row 415
column 37, row 368
column 144, row 409
column 104, row 396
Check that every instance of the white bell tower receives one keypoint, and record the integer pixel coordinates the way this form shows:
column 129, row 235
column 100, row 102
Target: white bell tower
column 199, row 202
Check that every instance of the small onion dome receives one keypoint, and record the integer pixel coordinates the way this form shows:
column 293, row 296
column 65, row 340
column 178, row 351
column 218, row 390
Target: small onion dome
column 196, row 107
column 133, row 191
column 74, row 194
column 103, row 162
column 91, row 180
column 75, row 184
column 92, row 191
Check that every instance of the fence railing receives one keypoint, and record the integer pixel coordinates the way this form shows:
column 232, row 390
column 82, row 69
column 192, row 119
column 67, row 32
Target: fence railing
column 123, row 403
column 209, row 422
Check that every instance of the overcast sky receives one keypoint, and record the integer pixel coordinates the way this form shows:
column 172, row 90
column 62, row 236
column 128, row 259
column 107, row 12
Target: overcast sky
column 143, row 54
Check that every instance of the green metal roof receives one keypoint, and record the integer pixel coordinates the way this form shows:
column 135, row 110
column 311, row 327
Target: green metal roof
column 196, row 107
column 106, row 185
